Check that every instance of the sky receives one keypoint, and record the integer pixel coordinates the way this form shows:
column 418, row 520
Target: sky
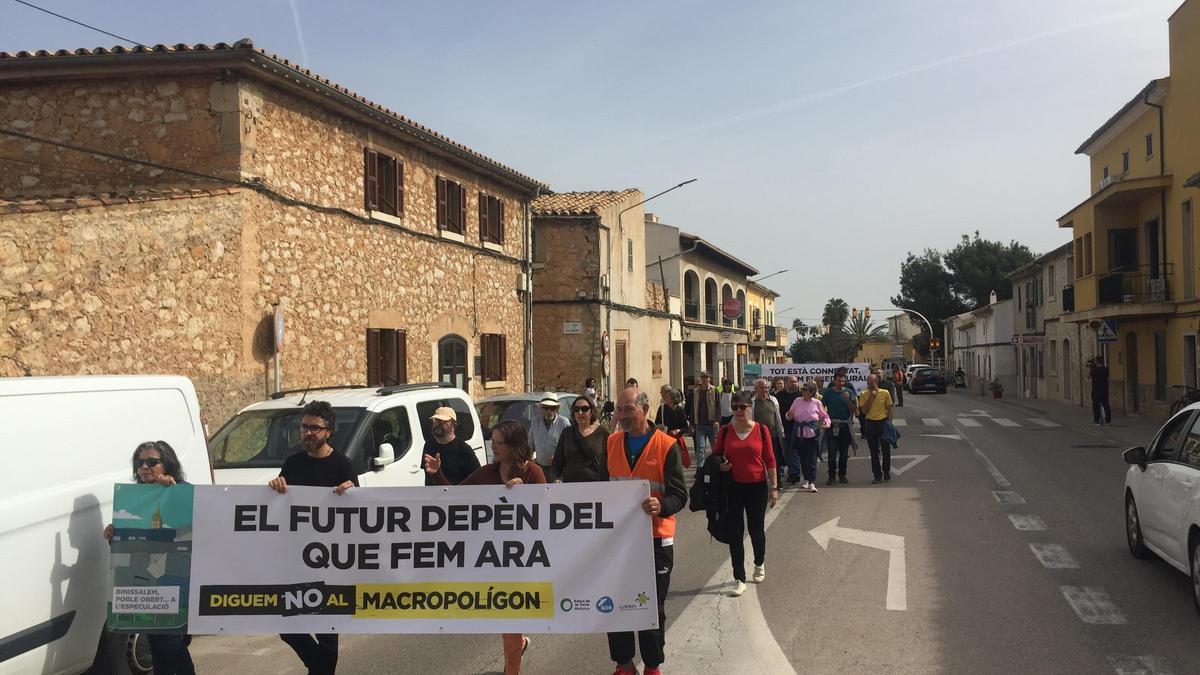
column 828, row 139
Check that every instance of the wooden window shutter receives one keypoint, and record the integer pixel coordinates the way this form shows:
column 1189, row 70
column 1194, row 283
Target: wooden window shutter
column 502, row 346
column 462, row 209
column 371, row 179
column 485, row 229
column 374, row 358
column 402, row 356
column 499, row 221
column 399, row 188
column 443, row 209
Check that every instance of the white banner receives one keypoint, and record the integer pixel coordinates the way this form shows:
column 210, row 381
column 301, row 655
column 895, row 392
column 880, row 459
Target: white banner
column 856, row 373
column 559, row 558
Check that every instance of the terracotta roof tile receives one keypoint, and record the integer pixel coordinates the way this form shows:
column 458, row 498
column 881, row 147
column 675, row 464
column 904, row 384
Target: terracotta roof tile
column 246, row 45
column 64, row 203
column 581, row 203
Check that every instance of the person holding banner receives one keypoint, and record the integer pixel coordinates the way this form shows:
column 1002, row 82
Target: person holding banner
column 746, row 448
column 642, row 451
column 512, row 465
column 155, row 463
column 317, row 465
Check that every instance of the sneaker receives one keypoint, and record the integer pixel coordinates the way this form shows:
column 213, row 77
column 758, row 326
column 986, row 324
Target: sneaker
column 622, row 670
column 739, row 587
column 760, row 573
column 877, row 481
column 524, row 646
column 1097, row 424
column 829, row 482
column 812, row 487
column 843, row 480
column 792, row 480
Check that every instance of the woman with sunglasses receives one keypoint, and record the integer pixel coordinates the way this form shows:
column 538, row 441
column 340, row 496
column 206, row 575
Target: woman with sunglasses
column 745, row 449
column 155, row 463
column 581, row 453
column 512, row 465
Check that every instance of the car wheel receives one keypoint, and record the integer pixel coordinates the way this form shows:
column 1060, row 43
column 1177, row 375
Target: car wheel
column 1195, row 551
column 1133, row 533
column 942, row 390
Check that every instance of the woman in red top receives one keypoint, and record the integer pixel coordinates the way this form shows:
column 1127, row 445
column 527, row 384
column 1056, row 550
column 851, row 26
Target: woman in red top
column 746, row 449
column 513, row 465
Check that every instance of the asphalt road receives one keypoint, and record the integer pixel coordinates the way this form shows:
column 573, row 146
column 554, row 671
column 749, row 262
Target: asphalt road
column 981, row 591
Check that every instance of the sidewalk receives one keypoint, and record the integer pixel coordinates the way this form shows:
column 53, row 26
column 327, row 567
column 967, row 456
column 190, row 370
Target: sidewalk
column 1126, row 431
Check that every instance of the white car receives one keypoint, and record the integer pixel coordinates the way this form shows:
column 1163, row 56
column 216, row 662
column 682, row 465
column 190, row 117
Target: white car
column 381, row 429
column 1162, row 496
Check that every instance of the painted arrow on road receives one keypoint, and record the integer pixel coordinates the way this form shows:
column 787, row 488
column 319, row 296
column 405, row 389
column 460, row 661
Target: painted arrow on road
column 897, row 588
column 896, row 468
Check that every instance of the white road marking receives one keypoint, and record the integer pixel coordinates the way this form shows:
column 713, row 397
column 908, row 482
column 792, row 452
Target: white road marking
column 1008, row 497
column 953, row 437
column 996, row 475
column 900, row 422
column 1092, row 605
column 976, row 413
column 968, row 422
column 1139, row 665
column 1005, row 422
column 897, row 588
column 1044, row 423
column 743, row 640
column 1054, row 556
column 1027, row 523
column 932, row 422
column 915, row 460
column 926, row 480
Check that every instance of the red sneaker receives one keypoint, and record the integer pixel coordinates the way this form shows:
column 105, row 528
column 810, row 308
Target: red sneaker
column 622, row 671
column 652, row 671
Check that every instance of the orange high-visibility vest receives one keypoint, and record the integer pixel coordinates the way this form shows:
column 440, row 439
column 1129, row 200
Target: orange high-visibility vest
column 650, row 466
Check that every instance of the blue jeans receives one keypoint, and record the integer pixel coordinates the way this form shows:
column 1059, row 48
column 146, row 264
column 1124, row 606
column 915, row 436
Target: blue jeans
column 704, row 432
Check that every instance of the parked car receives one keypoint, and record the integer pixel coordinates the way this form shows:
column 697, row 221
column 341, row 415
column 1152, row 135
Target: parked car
column 927, row 379
column 382, row 430
column 67, row 440
column 909, row 371
column 521, row 407
column 1162, row 496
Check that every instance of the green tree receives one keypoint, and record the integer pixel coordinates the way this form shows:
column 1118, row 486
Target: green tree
column 926, row 286
column 860, row 331
column 835, row 314
column 978, row 266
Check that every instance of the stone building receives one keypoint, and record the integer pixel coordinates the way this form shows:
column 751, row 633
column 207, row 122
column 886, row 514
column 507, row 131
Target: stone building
column 592, row 280
column 705, row 277
column 158, row 205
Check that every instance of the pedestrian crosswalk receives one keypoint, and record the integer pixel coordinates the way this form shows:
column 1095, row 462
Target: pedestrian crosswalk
column 975, row 421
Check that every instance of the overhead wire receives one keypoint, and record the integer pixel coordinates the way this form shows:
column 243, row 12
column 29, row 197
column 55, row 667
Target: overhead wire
column 80, row 23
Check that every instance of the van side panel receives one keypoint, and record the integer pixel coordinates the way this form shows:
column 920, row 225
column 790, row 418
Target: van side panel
column 62, row 452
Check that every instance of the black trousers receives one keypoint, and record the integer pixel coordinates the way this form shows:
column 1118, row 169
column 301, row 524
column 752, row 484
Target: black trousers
column 621, row 645
column 318, row 652
column 1100, row 404
column 839, row 449
column 751, row 499
column 879, row 448
column 169, row 654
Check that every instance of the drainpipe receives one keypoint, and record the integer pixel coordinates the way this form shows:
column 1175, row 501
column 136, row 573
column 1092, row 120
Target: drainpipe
column 1162, row 194
column 528, row 270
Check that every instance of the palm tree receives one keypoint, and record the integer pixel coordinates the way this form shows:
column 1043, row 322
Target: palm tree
column 835, row 314
column 860, row 331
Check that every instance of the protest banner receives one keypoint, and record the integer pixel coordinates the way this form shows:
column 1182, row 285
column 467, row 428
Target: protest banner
column 150, row 557
column 856, row 373
column 560, row 558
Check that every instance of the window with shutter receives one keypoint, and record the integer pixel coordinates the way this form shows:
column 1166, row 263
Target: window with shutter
column 495, row 360
column 387, row 357
column 370, row 179
column 491, row 219
column 443, row 207
column 484, row 228
column 374, row 362
column 462, row 210
column 383, row 183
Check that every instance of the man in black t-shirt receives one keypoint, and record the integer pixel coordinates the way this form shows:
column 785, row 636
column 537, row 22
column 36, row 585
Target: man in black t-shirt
column 458, row 459
column 319, row 465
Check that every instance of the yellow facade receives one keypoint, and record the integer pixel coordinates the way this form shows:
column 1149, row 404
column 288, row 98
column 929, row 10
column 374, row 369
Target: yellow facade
column 1135, row 244
column 768, row 342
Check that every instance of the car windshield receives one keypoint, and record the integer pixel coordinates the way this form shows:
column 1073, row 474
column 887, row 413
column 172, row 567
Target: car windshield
column 927, row 372
column 492, row 413
column 264, row 438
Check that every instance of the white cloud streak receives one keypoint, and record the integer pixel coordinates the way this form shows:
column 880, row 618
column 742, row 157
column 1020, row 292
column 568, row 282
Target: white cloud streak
column 299, row 33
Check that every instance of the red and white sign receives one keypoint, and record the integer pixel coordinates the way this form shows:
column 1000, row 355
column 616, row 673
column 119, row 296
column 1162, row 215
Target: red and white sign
column 731, row 308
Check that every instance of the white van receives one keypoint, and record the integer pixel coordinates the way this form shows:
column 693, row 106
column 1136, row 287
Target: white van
column 64, row 442
column 382, row 430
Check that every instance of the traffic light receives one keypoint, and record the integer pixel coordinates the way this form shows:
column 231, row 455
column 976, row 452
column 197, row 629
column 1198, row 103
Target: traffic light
column 866, row 312
column 935, row 343
column 853, row 312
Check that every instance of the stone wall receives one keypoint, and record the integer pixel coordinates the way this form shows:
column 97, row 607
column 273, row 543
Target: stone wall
column 139, row 288
column 176, row 121
column 571, row 249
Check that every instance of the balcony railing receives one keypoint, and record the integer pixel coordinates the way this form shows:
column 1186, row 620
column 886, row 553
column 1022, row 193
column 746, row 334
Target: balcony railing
column 770, row 334
column 1136, row 284
column 691, row 310
column 710, row 314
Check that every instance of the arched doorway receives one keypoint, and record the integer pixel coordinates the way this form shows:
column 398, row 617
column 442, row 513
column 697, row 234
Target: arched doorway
column 1131, row 373
column 452, row 361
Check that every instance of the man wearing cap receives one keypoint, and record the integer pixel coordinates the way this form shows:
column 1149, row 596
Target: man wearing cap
column 544, row 432
column 458, row 459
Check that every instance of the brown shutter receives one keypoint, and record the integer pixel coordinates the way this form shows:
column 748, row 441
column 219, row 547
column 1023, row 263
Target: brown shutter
column 485, row 230
column 499, row 221
column 374, row 358
column 502, row 344
column 443, row 209
column 402, row 356
column 462, row 210
column 399, row 188
column 371, row 179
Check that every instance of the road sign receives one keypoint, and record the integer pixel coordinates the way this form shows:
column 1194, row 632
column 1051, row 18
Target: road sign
column 604, row 345
column 1107, row 331
column 278, row 328
column 897, row 586
column 572, row 327
column 731, row 308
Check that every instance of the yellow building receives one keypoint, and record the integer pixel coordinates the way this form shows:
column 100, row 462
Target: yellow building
column 1135, row 248
column 768, row 342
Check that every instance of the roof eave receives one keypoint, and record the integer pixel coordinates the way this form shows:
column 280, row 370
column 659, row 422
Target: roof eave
column 1123, row 114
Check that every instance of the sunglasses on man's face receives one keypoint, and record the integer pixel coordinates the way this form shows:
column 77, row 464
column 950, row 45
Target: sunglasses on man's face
column 740, row 406
column 148, row 462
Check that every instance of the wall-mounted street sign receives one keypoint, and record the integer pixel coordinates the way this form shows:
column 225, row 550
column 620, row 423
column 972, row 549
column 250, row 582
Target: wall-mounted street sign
column 731, row 308
column 572, row 328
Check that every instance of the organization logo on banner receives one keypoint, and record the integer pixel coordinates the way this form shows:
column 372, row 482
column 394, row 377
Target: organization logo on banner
column 639, row 602
column 605, row 604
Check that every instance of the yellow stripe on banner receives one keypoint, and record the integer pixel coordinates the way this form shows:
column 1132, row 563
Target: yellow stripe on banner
column 455, row 600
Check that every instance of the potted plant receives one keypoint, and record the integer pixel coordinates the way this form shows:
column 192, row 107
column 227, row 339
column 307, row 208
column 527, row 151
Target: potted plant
column 997, row 388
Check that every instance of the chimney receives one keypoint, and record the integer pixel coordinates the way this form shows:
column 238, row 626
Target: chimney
column 651, row 218
column 992, row 298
